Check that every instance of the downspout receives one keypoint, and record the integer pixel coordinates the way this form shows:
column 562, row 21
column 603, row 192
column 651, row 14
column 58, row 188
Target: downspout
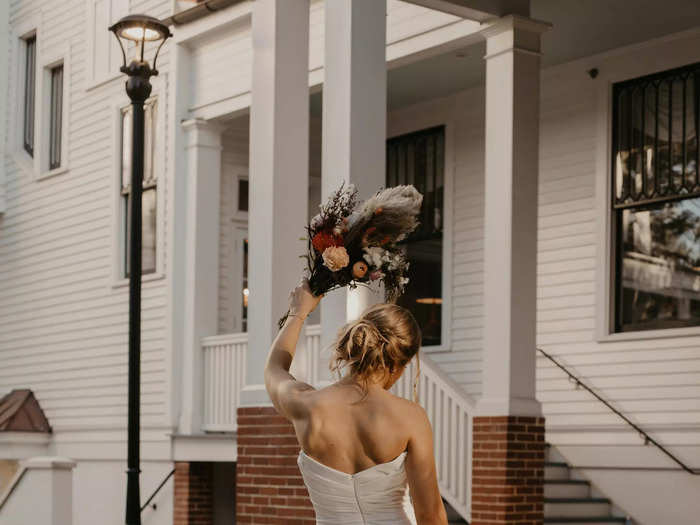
column 4, row 103
column 202, row 9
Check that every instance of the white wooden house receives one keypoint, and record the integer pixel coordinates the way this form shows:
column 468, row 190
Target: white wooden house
column 556, row 143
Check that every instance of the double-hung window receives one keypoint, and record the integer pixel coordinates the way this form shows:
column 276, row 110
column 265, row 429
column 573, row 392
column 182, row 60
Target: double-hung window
column 29, row 94
column 418, row 159
column 656, row 201
column 149, row 195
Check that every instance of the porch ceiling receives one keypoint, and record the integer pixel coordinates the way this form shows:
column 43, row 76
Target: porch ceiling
column 579, row 29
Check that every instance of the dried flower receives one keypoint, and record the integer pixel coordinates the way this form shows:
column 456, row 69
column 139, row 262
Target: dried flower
column 324, row 239
column 359, row 269
column 335, row 258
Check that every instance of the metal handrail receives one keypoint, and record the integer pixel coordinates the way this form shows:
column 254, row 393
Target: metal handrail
column 143, row 507
column 642, row 433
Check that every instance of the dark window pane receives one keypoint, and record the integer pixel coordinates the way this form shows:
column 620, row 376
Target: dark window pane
column 655, row 139
column 246, row 292
column 659, row 250
column 56, row 117
column 242, row 194
column 417, row 159
column 29, row 91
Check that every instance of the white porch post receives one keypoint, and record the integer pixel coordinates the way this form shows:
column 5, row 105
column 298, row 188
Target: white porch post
column 279, row 174
column 354, row 124
column 510, row 238
column 201, row 271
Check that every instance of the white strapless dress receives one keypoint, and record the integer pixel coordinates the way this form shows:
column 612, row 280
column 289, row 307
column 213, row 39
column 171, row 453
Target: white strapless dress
column 374, row 496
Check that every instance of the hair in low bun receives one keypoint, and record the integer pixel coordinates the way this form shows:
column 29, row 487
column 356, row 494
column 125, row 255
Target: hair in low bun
column 384, row 339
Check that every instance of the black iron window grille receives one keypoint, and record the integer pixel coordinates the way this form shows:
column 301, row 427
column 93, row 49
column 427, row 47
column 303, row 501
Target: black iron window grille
column 56, row 117
column 29, row 93
column 656, row 200
column 149, row 196
column 419, row 159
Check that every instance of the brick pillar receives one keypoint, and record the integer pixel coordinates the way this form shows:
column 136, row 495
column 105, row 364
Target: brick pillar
column 508, row 471
column 269, row 487
column 194, row 494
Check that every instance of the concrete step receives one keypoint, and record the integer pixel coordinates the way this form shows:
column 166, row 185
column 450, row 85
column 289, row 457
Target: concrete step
column 577, row 507
column 556, row 470
column 566, row 488
column 586, row 521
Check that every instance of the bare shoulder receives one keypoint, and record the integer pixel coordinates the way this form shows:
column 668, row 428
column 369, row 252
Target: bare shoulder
column 410, row 413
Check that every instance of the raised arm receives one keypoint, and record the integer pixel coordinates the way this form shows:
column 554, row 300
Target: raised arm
column 284, row 390
column 421, row 472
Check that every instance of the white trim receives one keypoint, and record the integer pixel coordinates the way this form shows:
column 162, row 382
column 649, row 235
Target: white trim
column 26, row 27
column 633, row 61
column 117, row 232
column 59, row 56
column 93, row 81
column 418, row 123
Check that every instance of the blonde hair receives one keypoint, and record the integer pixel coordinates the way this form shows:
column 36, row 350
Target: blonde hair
column 384, row 339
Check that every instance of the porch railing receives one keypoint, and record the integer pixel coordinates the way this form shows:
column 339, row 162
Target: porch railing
column 449, row 410
column 224, row 377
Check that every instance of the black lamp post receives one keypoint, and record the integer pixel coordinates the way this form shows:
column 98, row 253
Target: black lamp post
column 138, row 29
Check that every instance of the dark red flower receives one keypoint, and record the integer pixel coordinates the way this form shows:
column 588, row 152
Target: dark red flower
column 325, row 239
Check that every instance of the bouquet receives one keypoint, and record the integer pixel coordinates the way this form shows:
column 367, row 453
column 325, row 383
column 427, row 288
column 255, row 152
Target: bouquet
column 349, row 246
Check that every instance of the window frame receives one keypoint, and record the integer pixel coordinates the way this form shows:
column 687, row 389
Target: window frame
column 60, row 57
column 29, row 149
column 634, row 64
column 118, row 278
column 24, row 28
column 415, row 125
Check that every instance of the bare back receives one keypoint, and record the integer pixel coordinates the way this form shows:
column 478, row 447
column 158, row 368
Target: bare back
column 351, row 431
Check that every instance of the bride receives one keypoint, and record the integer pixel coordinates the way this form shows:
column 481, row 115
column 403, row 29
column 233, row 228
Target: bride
column 363, row 450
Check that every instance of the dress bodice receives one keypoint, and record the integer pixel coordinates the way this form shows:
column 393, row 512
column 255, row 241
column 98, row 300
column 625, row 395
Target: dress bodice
column 374, row 496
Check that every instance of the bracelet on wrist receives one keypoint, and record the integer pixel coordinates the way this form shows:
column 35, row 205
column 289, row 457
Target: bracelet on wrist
column 302, row 317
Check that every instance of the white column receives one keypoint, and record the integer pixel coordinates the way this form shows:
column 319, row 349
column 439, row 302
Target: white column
column 354, row 125
column 510, row 231
column 279, row 174
column 201, row 269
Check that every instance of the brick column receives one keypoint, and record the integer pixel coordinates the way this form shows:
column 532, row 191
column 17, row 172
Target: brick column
column 269, row 486
column 193, row 493
column 508, row 471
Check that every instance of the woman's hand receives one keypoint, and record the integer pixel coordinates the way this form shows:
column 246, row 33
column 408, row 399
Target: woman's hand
column 302, row 301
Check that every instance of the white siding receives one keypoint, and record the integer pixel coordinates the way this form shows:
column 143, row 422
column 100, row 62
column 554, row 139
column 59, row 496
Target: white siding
column 63, row 325
column 654, row 381
column 463, row 116
column 221, row 62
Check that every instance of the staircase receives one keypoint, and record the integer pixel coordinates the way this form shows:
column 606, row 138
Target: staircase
column 570, row 499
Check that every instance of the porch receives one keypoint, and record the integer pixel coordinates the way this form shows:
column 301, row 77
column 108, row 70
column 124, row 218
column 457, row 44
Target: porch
column 437, row 76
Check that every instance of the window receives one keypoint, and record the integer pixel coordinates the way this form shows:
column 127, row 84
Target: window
column 656, row 201
column 29, row 93
column 243, row 195
column 148, row 216
column 55, row 116
column 418, row 159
